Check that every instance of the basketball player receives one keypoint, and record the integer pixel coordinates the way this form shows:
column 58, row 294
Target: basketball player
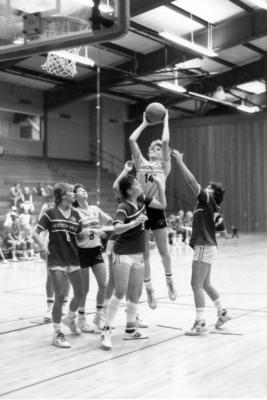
column 50, row 293
column 64, row 225
column 128, row 269
column 90, row 255
column 159, row 164
column 203, row 241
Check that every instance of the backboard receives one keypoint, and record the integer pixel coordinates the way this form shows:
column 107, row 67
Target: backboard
column 30, row 27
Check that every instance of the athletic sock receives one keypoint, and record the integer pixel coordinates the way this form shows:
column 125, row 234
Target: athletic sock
column 200, row 313
column 218, row 304
column 148, row 283
column 57, row 327
column 168, row 277
column 112, row 310
column 81, row 312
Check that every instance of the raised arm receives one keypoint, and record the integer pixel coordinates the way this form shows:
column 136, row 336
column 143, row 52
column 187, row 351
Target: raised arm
column 135, row 135
column 128, row 166
column 166, row 137
column 189, row 177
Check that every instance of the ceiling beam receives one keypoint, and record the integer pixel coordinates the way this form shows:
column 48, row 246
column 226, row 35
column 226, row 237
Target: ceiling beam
column 138, row 7
column 242, row 5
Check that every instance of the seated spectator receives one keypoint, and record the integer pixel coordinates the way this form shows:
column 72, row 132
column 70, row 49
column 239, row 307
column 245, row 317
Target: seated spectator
column 39, row 190
column 15, row 195
column 13, row 212
column 27, row 237
column 25, row 215
column 27, row 200
column 3, row 259
column 180, row 225
column 13, row 238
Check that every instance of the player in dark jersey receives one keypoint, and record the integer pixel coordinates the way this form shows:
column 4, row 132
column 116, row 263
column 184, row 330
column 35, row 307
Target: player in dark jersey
column 158, row 163
column 128, row 269
column 203, row 241
column 64, row 225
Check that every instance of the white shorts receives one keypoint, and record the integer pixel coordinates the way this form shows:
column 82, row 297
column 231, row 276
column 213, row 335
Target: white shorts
column 206, row 254
column 68, row 270
column 134, row 260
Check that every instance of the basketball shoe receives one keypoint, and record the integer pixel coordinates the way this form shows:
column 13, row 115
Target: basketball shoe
column 48, row 314
column 105, row 339
column 84, row 326
column 171, row 289
column 151, row 299
column 71, row 323
column 135, row 335
column 60, row 341
column 223, row 317
column 198, row 329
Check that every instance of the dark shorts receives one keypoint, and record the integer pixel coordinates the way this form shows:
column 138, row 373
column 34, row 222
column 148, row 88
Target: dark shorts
column 90, row 257
column 156, row 219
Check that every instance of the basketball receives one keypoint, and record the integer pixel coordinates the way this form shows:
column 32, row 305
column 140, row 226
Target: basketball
column 155, row 113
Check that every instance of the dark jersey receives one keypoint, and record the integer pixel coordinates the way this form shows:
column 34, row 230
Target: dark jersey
column 132, row 241
column 62, row 247
column 203, row 228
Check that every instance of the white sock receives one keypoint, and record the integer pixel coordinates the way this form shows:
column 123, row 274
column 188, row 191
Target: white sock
column 131, row 312
column 200, row 313
column 71, row 314
column 218, row 304
column 57, row 327
column 148, row 283
column 113, row 306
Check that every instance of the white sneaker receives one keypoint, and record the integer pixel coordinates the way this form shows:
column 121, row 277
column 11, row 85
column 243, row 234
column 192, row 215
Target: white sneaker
column 171, row 289
column 72, row 324
column 105, row 340
column 223, row 317
column 85, row 327
column 198, row 329
column 60, row 341
column 139, row 323
column 135, row 335
column 99, row 321
column 151, row 299
column 5, row 261
column 48, row 314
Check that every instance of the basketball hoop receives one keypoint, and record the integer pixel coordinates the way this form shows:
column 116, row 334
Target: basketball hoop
column 63, row 62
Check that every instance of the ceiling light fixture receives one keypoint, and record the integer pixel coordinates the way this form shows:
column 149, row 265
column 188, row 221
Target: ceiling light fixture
column 188, row 44
column 172, row 87
column 248, row 109
column 260, row 3
column 241, row 107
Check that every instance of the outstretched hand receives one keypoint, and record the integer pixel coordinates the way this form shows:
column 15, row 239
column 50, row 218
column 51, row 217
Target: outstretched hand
column 177, row 155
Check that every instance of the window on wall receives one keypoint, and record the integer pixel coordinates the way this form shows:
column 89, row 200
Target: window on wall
column 14, row 125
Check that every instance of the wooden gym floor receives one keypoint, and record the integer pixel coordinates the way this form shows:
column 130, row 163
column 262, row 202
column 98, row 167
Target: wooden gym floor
column 229, row 363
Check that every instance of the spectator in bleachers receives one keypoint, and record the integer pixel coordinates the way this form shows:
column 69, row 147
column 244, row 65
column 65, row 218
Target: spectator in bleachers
column 25, row 216
column 39, row 190
column 13, row 239
column 3, row 259
column 180, row 225
column 13, row 212
column 27, row 200
column 15, row 195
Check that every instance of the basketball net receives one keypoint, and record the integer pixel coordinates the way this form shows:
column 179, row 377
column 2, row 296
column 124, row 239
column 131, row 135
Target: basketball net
column 58, row 64
column 63, row 62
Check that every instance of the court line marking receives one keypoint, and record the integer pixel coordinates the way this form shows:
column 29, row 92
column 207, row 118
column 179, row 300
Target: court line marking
column 88, row 366
column 99, row 362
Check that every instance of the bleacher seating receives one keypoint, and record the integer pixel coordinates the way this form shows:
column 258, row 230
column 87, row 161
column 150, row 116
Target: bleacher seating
column 28, row 171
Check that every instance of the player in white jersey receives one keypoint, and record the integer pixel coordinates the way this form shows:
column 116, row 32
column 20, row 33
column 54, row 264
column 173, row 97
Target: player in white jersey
column 159, row 164
column 90, row 255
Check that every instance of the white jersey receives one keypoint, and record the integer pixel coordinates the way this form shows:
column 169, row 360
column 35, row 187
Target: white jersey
column 92, row 218
column 144, row 171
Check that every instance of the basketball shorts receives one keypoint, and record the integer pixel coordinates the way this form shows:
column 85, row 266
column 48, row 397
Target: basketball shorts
column 156, row 219
column 136, row 261
column 67, row 270
column 205, row 254
column 90, row 257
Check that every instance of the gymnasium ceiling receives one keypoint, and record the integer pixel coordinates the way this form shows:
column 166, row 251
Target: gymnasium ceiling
column 132, row 66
